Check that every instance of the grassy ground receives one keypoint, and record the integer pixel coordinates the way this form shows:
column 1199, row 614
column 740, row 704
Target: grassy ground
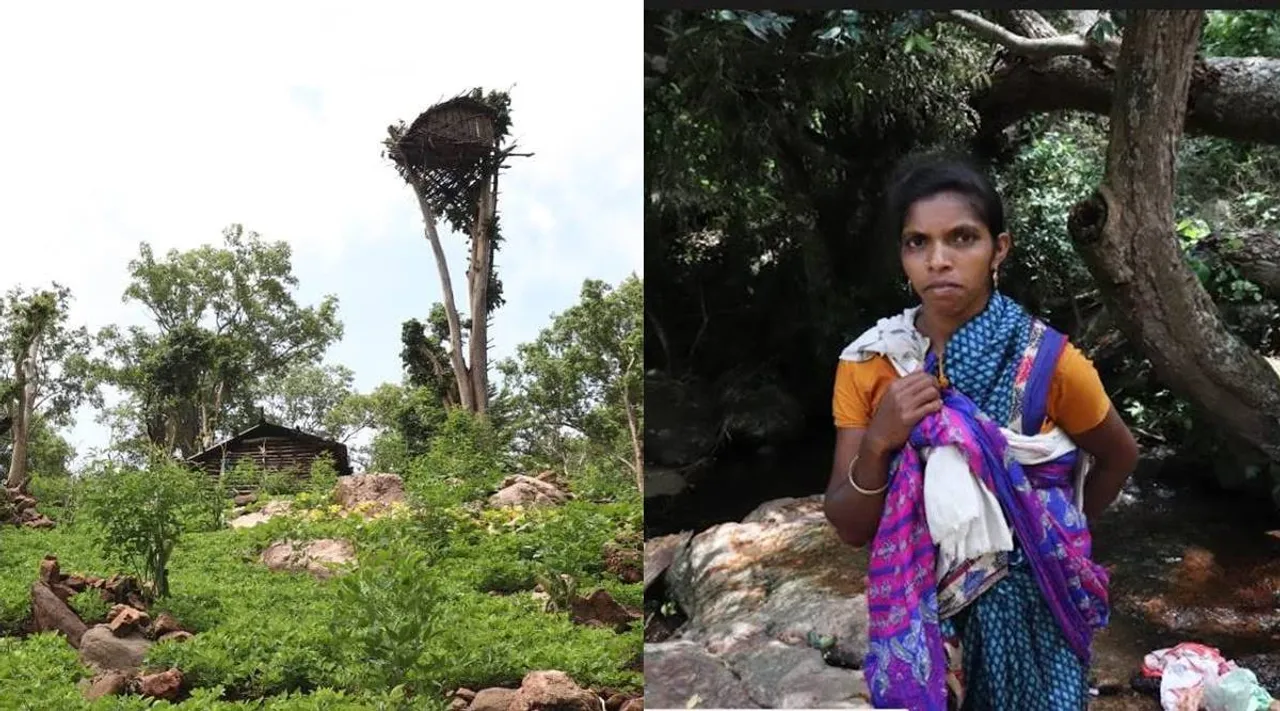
column 441, row 599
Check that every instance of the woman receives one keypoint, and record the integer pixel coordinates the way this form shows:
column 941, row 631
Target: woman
column 960, row 425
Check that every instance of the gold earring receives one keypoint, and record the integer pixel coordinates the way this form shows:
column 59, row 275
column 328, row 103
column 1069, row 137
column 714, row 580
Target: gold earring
column 995, row 279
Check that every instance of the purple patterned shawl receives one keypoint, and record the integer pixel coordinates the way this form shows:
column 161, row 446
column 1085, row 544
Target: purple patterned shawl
column 906, row 665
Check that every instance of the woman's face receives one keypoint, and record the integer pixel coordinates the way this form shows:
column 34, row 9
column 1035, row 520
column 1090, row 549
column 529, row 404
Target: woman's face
column 948, row 254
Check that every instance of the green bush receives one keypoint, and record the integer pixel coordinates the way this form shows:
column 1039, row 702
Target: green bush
column 141, row 515
column 324, row 477
column 57, row 497
column 466, row 460
column 386, row 617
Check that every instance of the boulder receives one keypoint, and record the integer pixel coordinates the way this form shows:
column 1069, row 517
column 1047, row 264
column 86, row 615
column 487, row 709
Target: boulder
column 369, row 493
column 49, row 612
column 112, row 683
column 552, row 691
column 495, row 699
column 322, row 558
column 102, row 649
column 523, row 490
column 599, row 609
column 124, row 619
column 756, row 593
column 166, row 685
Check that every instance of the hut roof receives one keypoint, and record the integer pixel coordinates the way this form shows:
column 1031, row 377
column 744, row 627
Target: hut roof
column 268, row 430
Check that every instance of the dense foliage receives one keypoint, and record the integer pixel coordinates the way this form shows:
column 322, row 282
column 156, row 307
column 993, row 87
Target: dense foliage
column 769, row 136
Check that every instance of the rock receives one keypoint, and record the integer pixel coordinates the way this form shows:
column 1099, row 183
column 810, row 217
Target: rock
column 49, row 574
column 466, row 694
column 164, row 624
column 600, row 610
column 112, row 683
column 636, row 704
column 759, row 411
column 665, row 481
column 166, row 685
column 755, row 593
column 459, row 704
column 680, row 674
column 77, row 583
column 51, row 613
column 176, row 635
column 624, row 561
column 680, row 422
column 780, row 676
column 124, row 619
column 120, row 588
column 615, row 702
column 62, row 591
column 527, row 491
column 244, row 499
column 103, row 650
column 370, row 493
column 659, row 552
column 321, row 558
column 40, row 521
column 273, row 508
column 495, row 699
column 552, row 691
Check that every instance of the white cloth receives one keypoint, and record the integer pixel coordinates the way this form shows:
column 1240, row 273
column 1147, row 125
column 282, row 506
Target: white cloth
column 964, row 516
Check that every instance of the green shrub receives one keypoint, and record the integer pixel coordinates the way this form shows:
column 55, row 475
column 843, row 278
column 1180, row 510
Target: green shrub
column 466, row 460
column 386, row 616
column 324, row 477
column 141, row 515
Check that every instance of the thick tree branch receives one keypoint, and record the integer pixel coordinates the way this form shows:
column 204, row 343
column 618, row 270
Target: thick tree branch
column 1027, row 23
column 1230, row 97
column 1030, row 47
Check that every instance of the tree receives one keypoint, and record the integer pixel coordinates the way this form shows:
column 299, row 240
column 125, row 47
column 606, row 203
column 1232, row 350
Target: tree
column 1153, row 85
column 319, row 399
column 49, row 366
column 225, row 321
column 473, row 212
column 584, row 377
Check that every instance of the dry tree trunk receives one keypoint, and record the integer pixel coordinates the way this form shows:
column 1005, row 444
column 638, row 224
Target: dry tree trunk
column 478, row 277
column 1125, row 234
column 460, row 372
column 26, row 377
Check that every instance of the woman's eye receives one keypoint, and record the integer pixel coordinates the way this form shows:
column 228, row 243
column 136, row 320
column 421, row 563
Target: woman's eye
column 914, row 242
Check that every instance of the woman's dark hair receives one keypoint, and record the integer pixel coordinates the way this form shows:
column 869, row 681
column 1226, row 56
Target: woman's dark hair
column 923, row 176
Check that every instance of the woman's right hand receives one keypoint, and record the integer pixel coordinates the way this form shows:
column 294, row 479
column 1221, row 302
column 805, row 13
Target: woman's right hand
column 906, row 401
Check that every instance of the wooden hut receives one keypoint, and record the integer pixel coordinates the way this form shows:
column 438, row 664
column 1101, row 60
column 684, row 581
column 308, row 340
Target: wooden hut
column 272, row 448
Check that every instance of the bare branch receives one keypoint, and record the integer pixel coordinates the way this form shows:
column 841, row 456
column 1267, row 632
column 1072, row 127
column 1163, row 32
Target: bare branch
column 1032, row 48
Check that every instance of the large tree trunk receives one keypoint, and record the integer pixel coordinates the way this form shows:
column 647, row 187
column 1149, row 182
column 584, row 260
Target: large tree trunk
column 478, row 278
column 28, row 383
column 460, row 373
column 1125, row 234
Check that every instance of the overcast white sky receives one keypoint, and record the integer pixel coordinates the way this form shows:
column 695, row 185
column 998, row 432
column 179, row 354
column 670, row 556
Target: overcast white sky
column 165, row 122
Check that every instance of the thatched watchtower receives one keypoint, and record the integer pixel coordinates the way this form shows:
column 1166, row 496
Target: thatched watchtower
column 449, row 151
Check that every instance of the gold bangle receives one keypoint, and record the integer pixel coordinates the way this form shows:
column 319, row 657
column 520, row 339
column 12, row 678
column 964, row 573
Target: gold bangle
column 859, row 489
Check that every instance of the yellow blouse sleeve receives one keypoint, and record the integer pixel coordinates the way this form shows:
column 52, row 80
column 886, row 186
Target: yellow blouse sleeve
column 1077, row 400
column 858, row 389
